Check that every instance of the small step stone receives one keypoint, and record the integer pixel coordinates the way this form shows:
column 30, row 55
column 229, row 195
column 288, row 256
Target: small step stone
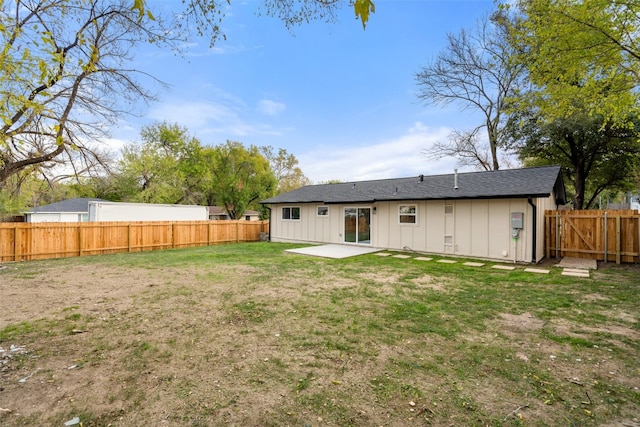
column 537, row 270
column 473, row 264
column 447, row 261
column 401, row 256
column 503, row 267
column 422, row 258
column 382, row 254
column 574, row 272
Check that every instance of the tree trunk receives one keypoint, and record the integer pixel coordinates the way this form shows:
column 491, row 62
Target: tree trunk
column 492, row 133
column 579, row 184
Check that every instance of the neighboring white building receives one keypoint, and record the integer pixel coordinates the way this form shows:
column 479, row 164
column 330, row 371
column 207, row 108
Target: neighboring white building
column 219, row 213
column 72, row 210
column 468, row 214
column 117, row 211
column 87, row 209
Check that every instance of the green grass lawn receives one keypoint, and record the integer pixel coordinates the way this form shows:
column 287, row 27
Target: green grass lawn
column 246, row 334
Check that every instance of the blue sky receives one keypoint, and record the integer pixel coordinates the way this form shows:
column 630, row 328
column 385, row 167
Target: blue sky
column 339, row 98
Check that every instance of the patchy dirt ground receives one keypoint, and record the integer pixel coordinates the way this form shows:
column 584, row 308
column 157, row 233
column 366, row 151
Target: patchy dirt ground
column 235, row 345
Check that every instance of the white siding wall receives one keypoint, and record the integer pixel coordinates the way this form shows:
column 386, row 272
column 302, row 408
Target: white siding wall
column 475, row 228
column 55, row 217
column 112, row 211
column 310, row 227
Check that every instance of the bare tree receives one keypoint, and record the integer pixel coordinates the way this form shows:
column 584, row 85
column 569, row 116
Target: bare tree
column 285, row 168
column 475, row 72
column 466, row 146
column 65, row 79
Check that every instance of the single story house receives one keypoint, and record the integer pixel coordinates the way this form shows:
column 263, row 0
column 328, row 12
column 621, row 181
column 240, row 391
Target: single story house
column 219, row 213
column 93, row 209
column 496, row 215
column 71, row 210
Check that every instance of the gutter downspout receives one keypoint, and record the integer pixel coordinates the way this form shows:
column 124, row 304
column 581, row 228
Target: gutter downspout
column 534, row 232
column 269, row 209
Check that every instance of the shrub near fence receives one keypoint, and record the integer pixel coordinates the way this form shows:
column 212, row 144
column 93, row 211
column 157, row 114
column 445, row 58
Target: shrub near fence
column 605, row 235
column 31, row 241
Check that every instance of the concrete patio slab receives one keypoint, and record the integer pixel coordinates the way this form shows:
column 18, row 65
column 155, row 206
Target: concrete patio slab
column 578, row 263
column 333, row 251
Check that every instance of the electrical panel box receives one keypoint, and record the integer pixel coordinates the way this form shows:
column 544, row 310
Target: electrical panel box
column 517, row 220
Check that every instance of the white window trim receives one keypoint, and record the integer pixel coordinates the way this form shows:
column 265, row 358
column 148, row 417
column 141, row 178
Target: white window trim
column 290, row 208
column 322, row 206
column 415, row 215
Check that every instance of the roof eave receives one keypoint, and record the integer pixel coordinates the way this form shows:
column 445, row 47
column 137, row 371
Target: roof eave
column 409, row 199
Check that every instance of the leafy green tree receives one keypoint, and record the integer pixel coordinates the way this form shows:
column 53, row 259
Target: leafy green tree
column 240, row 177
column 595, row 155
column 581, row 57
column 21, row 191
column 285, row 168
column 65, row 72
column 64, row 77
column 167, row 166
column 206, row 15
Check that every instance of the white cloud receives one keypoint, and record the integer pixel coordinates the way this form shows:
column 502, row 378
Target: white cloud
column 270, row 108
column 194, row 115
column 114, row 145
column 395, row 158
column 213, row 122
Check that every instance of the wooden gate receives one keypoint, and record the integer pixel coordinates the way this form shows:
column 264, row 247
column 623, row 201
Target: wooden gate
column 593, row 234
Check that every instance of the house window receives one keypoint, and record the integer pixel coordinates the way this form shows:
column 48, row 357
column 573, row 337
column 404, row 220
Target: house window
column 408, row 214
column 323, row 211
column 448, row 208
column 291, row 213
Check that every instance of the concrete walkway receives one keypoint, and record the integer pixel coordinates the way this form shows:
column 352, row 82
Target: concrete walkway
column 575, row 267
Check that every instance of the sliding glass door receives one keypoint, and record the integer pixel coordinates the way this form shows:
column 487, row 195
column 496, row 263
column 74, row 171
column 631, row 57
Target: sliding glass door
column 357, row 225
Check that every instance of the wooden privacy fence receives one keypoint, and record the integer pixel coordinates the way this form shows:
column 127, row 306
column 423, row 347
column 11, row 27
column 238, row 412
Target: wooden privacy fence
column 30, row 241
column 602, row 235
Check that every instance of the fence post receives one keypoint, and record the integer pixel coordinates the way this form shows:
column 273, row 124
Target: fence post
column 237, row 231
column 606, row 236
column 16, row 243
column 547, row 229
column 557, row 233
column 80, row 240
column 173, row 235
column 618, row 246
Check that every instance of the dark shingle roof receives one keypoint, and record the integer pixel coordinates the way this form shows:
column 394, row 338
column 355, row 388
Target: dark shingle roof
column 71, row 205
column 511, row 183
